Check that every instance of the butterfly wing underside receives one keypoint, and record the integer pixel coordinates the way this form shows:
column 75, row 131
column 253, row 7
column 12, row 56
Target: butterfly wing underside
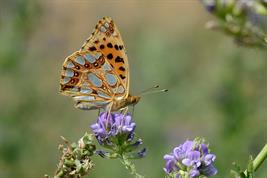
column 98, row 73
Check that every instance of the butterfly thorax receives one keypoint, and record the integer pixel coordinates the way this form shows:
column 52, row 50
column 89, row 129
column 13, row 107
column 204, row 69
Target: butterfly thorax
column 122, row 103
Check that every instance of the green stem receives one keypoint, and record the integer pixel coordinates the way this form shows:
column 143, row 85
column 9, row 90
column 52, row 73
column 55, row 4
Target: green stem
column 260, row 158
column 130, row 166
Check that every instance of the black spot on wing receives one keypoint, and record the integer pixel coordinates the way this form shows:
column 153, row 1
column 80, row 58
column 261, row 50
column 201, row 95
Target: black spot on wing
column 121, row 68
column 122, row 76
column 116, row 47
column 110, row 45
column 119, row 59
column 92, row 48
column 109, row 56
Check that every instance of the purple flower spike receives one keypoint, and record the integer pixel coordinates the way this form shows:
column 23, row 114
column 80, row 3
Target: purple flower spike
column 192, row 158
column 112, row 125
column 115, row 132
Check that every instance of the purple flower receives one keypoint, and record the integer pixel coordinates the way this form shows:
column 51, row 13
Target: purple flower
column 170, row 164
column 115, row 132
column 192, row 158
column 210, row 5
column 110, row 125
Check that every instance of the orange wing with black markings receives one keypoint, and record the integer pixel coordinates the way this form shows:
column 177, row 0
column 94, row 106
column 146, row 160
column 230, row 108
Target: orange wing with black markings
column 98, row 73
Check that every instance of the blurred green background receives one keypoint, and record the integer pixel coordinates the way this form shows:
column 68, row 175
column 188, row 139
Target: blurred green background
column 217, row 90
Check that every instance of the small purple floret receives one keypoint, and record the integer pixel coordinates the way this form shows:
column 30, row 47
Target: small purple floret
column 210, row 5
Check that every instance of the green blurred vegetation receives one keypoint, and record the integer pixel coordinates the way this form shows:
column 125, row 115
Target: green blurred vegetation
column 216, row 89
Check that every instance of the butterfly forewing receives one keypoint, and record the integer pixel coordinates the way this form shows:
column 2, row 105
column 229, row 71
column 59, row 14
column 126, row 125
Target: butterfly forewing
column 107, row 39
column 99, row 72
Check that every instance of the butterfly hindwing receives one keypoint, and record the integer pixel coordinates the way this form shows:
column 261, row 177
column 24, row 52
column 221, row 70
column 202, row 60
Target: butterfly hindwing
column 98, row 73
column 90, row 80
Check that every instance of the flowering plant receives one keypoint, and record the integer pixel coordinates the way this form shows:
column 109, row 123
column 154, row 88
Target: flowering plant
column 245, row 20
column 190, row 159
column 116, row 133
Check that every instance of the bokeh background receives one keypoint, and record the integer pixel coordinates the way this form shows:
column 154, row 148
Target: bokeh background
column 217, row 90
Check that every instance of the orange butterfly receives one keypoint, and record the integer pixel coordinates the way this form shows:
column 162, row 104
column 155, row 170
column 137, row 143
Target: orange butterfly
column 97, row 76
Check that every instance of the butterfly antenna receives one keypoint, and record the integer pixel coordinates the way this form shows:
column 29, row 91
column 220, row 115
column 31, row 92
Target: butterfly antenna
column 152, row 90
column 149, row 89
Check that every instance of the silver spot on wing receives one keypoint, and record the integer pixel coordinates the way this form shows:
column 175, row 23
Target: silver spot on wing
column 86, row 90
column 80, row 60
column 84, row 98
column 66, row 80
column 90, row 58
column 111, row 79
column 69, row 73
column 70, row 65
column 94, row 80
column 103, row 95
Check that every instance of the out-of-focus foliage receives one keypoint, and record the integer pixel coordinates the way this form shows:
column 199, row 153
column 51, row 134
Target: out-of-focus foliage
column 216, row 89
column 245, row 20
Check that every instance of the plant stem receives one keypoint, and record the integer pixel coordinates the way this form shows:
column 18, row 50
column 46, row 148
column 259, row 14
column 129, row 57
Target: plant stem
column 130, row 166
column 260, row 158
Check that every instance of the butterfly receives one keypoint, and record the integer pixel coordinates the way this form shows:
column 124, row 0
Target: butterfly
column 97, row 76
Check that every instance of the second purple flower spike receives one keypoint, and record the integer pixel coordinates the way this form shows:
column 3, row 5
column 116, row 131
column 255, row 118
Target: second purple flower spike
column 190, row 159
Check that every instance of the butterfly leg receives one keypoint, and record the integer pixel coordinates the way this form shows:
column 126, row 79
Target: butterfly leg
column 124, row 111
column 133, row 111
column 108, row 111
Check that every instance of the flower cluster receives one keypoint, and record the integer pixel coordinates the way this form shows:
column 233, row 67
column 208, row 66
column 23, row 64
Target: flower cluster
column 235, row 7
column 115, row 132
column 190, row 159
column 245, row 20
column 76, row 160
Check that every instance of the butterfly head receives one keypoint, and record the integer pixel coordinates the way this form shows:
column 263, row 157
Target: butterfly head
column 133, row 100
